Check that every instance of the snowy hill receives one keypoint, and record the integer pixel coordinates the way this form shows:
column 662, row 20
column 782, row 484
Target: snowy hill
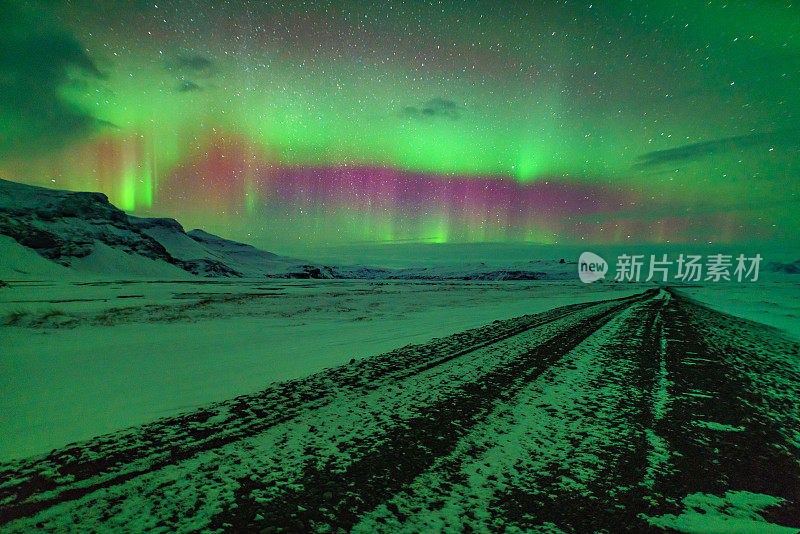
column 82, row 231
column 86, row 234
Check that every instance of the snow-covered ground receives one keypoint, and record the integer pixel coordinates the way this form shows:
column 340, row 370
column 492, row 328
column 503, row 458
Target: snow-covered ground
column 631, row 415
column 773, row 300
column 81, row 359
column 737, row 512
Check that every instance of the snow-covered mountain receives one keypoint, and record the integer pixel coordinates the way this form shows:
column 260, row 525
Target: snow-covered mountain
column 87, row 234
column 51, row 233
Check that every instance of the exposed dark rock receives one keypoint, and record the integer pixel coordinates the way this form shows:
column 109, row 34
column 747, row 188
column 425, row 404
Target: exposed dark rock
column 156, row 222
column 63, row 226
column 208, row 268
column 790, row 268
column 89, row 206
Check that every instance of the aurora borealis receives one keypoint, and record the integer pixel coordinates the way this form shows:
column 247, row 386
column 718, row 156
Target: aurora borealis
column 296, row 124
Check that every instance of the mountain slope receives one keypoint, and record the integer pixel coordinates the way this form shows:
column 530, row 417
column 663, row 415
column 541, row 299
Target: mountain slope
column 88, row 234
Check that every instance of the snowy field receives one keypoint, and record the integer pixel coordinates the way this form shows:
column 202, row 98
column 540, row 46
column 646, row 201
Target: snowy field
column 81, row 359
column 774, row 300
column 85, row 358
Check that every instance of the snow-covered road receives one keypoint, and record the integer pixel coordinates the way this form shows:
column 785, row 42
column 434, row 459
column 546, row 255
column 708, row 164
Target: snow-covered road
column 644, row 413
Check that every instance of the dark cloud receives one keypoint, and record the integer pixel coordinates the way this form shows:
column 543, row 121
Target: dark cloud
column 437, row 108
column 698, row 151
column 188, row 87
column 37, row 58
column 194, row 65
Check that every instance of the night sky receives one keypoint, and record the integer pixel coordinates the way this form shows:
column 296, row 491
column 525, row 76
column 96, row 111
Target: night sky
column 301, row 124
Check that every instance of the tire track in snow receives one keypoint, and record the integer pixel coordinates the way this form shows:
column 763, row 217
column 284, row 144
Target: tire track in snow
column 68, row 474
column 605, row 484
column 558, row 451
column 329, row 497
column 725, row 429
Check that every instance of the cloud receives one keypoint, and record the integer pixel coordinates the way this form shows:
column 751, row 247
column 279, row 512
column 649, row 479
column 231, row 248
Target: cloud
column 188, row 87
column 37, row 58
column 192, row 65
column 696, row 151
column 437, row 108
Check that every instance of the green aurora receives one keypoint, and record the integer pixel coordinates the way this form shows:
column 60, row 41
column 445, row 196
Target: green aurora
column 682, row 117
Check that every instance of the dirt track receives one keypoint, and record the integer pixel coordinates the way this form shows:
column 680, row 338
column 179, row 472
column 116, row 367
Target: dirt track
column 592, row 417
